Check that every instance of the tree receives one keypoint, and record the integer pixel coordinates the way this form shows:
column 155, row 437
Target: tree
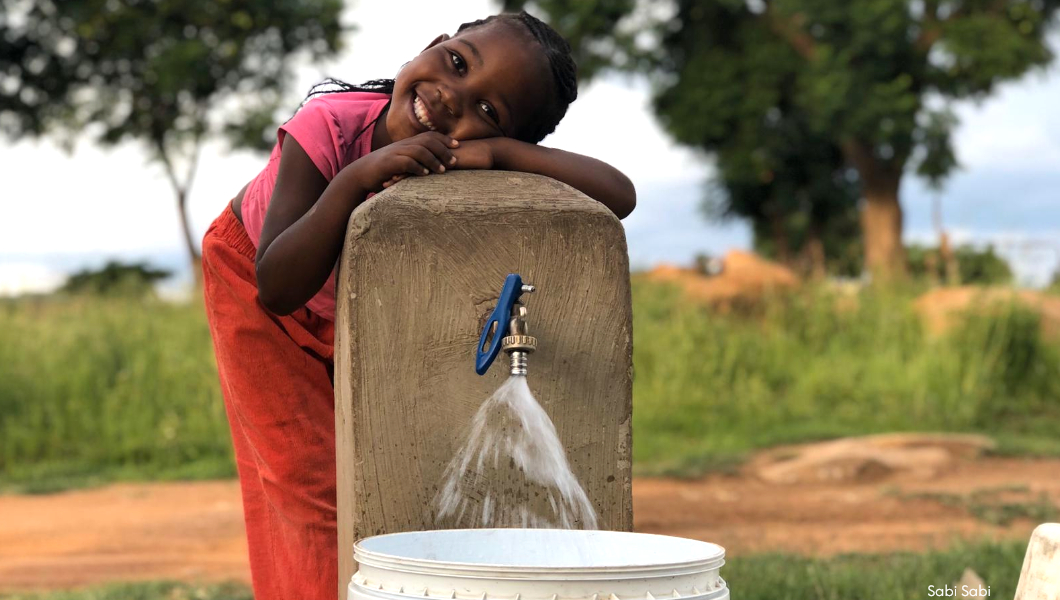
column 793, row 187
column 168, row 73
column 874, row 77
column 135, row 279
column 975, row 266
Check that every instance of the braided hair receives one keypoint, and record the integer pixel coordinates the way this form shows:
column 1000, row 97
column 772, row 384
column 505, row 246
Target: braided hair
column 556, row 49
column 560, row 62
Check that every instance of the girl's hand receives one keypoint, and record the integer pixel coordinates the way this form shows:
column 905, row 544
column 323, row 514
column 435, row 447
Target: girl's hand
column 472, row 154
column 428, row 152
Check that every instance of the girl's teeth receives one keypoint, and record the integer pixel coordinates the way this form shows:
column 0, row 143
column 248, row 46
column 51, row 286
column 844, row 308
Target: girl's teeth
column 421, row 113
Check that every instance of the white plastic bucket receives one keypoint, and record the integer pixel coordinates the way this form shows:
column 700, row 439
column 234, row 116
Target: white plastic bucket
column 536, row 564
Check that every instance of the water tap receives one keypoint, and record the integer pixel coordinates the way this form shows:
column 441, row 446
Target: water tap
column 506, row 329
column 518, row 343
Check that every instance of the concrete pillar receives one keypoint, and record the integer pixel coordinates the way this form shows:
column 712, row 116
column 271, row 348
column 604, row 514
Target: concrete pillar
column 421, row 271
column 1040, row 577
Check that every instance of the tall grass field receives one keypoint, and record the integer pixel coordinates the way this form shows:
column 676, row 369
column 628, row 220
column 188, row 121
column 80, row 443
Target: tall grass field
column 99, row 389
column 710, row 387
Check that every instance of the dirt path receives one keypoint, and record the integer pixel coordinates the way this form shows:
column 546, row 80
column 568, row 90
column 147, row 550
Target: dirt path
column 194, row 531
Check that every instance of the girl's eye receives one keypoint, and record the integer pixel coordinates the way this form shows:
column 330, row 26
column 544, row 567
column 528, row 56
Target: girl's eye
column 486, row 108
column 458, row 62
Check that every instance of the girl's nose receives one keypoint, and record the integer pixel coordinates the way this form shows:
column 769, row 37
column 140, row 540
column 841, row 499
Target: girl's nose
column 449, row 101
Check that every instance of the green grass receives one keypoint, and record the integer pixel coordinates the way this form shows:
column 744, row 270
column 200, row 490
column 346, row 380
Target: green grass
column 761, row 577
column 95, row 390
column 102, row 389
column 708, row 388
column 996, row 506
column 155, row 590
column 904, row 576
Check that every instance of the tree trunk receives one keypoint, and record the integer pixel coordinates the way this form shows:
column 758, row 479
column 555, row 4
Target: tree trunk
column 881, row 214
column 881, row 225
column 189, row 242
column 949, row 261
column 182, row 189
column 815, row 254
column 780, row 241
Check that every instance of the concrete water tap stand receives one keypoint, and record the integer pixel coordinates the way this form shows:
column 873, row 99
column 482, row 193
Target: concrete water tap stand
column 420, row 272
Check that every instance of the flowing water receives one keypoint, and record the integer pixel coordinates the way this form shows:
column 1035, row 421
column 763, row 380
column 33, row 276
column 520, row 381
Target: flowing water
column 512, row 471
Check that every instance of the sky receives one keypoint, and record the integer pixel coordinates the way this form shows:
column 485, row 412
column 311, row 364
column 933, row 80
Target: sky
column 61, row 212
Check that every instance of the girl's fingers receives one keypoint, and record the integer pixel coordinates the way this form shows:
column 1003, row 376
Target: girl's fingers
column 412, row 166
column 394, row 179
column 446, row 141
column 441, row 151
column 426, row 158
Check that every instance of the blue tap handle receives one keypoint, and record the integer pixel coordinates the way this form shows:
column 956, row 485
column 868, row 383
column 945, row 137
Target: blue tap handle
column 513, row 288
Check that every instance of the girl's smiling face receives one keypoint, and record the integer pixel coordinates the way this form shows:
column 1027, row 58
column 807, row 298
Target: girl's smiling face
column 485, row 82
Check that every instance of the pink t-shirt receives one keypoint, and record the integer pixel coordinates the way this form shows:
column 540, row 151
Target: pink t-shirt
column 326, row 127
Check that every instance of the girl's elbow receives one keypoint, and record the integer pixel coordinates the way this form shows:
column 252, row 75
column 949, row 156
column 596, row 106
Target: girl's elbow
column 631, row 203
column 626, row 198
column 269, row 293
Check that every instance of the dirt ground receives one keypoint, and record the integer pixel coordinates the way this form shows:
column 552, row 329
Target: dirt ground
column 194, row 531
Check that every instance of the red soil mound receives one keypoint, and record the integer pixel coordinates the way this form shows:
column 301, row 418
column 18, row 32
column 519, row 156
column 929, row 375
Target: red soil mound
column 942, row 308
column 744, row 277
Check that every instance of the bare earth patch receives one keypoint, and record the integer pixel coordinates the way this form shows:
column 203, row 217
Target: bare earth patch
column 746, row 514
column 194, row 531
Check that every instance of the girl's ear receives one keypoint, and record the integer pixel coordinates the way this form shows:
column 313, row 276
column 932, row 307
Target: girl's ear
column 437, row 40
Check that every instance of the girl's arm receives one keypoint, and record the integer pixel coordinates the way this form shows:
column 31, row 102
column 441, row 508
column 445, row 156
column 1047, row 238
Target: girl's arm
column 594, row 178
column 305, row 225
column 304, row 229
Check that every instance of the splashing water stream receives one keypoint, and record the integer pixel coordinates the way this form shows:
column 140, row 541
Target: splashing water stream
column 512, row 471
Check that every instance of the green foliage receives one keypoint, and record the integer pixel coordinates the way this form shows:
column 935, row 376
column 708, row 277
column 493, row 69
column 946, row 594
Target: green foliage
column 975, row 266
column 982, row 266
column 798, row 196
column 599, row 31
column 136, row 279
column 158, row 72
column 773, row 89
column 152, row 70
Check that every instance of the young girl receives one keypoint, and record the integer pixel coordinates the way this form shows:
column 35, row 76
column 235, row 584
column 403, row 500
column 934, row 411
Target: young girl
column 479, row 100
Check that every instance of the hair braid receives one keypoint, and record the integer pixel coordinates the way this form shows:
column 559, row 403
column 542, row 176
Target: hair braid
column 332, row 86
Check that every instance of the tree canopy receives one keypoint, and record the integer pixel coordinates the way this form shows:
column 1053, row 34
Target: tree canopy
column 115, row 278
column 871, row 79
column 168, row 73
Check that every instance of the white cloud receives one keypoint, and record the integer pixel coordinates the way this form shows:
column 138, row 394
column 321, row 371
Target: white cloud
column 1015, row 130
column 20, row 278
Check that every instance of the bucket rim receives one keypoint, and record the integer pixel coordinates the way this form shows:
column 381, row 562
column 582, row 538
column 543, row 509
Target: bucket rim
column 372, row 558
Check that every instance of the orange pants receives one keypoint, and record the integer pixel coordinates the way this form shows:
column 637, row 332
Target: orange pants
column 277, row 381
